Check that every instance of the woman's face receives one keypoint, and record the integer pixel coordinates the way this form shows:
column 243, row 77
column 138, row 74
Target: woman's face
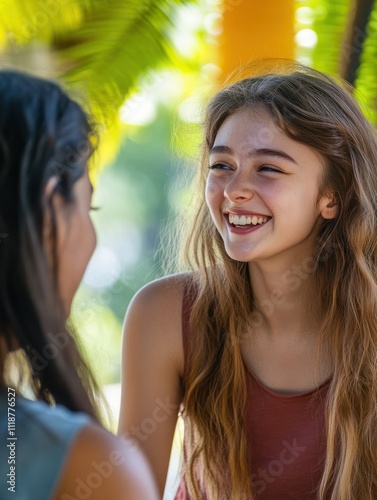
column 262, row 190
column 76, row 238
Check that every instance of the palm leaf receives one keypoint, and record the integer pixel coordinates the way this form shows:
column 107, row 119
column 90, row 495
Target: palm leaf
column 25, row 21
column 354, row 40
column 366, row 81
column 347, row 46
column 118, row 44
column 331, row 17
column 104, row 47
column 108, row 56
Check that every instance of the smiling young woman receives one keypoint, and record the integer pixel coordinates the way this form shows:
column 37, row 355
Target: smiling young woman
column 270, row 341
column 258, row 172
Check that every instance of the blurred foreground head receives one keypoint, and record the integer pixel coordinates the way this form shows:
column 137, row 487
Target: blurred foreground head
column 46, row 233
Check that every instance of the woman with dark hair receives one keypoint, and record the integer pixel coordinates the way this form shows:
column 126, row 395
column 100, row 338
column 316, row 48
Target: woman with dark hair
column 270, row 342
column 52, row 445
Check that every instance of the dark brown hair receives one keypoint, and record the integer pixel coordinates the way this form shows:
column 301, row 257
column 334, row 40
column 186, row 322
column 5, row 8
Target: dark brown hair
column 43, row 133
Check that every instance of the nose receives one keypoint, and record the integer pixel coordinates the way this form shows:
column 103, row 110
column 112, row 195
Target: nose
column 239, row 187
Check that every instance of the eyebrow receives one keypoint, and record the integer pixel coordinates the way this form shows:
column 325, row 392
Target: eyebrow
column 275, row 153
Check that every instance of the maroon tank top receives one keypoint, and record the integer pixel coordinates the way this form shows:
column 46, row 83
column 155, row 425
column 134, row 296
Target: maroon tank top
column 286, row 437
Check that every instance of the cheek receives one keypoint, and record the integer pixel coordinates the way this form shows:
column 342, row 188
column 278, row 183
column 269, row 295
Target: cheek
column 83, row 241
column 93, row 238
column 291, row 198
column 274, row 195
column 87, row 237
column 213, row 193
column 214, row 200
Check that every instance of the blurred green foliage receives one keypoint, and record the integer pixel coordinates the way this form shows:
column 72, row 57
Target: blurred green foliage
column 330, row 22
column 346, row 33
column 100, row 49
column 134, row 203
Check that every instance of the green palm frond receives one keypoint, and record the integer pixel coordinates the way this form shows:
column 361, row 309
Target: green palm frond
column 331, row 17
column 22, row 22
column 115, row 46
column 347, row 46
column 104, row 47
column 366, row 81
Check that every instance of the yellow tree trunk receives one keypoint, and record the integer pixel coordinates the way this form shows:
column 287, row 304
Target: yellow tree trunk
column 255, row 29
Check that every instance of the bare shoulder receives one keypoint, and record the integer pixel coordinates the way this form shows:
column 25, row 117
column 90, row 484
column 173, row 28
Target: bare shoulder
column 166, row 291
column 105, row 466
column 152, row 369
column 155, row 317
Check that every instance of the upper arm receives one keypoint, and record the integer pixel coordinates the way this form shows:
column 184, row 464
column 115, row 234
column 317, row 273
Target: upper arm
column 152, row 367
column 101, row 465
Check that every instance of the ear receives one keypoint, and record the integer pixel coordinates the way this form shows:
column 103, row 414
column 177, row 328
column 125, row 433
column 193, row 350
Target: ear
column 329, row 207
column 47, row 197
column 50, row 187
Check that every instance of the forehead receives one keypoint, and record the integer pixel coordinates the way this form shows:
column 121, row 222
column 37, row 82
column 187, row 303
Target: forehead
column 248, row 130
column 249, row 125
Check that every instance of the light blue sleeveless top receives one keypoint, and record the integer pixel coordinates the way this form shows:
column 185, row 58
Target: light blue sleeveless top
column 44, row 437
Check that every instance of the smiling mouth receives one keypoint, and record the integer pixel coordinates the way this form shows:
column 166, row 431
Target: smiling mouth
column 247, row 221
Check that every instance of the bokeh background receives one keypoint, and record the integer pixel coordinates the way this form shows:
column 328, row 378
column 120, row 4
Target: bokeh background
column 144, row 70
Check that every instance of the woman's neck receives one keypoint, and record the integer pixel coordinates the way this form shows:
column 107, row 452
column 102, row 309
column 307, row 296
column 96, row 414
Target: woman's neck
column 284, row 298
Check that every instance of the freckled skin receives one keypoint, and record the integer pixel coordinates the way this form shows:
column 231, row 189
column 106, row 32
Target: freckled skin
column 265, row 184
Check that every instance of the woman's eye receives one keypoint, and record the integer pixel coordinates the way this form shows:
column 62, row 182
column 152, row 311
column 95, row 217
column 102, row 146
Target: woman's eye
column 219, row 166
column 268, row 168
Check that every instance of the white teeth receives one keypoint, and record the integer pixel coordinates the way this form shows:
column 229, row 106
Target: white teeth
column 243, row 220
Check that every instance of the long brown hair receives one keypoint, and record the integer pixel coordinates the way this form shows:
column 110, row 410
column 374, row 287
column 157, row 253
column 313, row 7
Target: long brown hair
column 315, row 110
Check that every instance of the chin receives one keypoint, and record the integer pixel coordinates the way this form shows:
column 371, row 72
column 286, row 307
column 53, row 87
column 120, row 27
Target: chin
column 67, row 299
column 67, row 304
column 67, row 311
column 241, row 255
